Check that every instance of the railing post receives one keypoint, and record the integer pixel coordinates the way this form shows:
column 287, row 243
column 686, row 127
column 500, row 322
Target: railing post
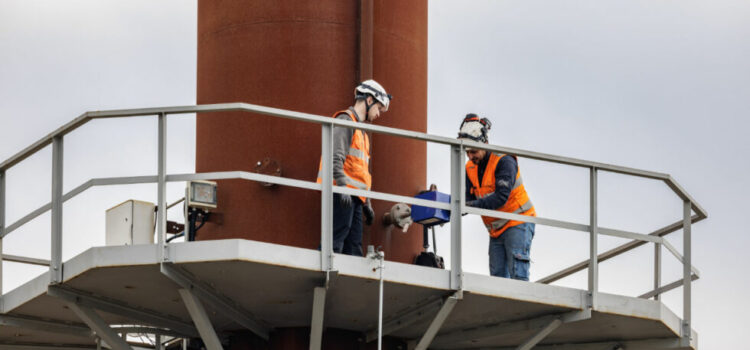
column 657, row 268
column 687, row 265
column 161, row 214
column 56, row 267
column 326, row 198
column 458, row 183
column 2, row 228
column 593, row 239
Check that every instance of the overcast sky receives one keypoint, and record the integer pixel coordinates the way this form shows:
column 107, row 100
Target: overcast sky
column 657, row 85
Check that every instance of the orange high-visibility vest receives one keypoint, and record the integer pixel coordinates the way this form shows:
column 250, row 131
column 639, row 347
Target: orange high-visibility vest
column 356, row 165
column 518, row 201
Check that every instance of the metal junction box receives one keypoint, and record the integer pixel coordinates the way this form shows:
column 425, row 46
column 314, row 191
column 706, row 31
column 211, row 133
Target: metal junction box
column 131, row 222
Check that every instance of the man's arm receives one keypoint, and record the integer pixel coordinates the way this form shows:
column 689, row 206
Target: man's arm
column 505, row 178
column 342, row 139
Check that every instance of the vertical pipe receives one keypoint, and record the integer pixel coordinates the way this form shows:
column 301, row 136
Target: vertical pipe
column 56, row 232
column 157, row 342
column 657, row 268
column 365, row 39
column 326, row 199
column 161, row 214
column 2, row 227
column 686, row 269
column 593, row 239
column 457, row 205
column 381, row 257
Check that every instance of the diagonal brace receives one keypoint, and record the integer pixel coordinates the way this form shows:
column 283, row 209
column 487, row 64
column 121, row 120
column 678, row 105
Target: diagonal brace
column 318, row 312
column 201, row 320
column 438, row 321
column 97, row 324
column 407, row 317
column 539, row 336
column 119, row 308
column 221, row 303
column 511, row 327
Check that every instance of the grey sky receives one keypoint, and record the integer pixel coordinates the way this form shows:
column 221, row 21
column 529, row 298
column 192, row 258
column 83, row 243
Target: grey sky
column 658, row 85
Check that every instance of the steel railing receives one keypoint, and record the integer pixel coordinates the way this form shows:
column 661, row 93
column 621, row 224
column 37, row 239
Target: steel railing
column 456, row 206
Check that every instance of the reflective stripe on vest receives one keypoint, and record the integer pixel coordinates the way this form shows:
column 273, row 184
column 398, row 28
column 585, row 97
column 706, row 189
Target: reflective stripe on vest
column 499, row 223
column 356, row 164
column 518, row 201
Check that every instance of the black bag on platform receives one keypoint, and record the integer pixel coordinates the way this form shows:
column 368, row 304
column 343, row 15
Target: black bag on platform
column 426, row 258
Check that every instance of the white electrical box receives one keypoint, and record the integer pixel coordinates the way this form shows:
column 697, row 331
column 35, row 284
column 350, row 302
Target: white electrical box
column 131, row 222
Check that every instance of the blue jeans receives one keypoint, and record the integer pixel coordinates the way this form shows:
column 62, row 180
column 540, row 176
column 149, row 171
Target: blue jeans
column 509, row 252
column 347, row 226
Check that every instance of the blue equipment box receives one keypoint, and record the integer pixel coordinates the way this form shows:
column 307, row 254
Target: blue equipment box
column 431, row 216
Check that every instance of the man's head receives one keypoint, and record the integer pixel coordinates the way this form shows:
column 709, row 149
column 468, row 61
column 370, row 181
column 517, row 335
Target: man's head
column 374, row 97
column 475, row 129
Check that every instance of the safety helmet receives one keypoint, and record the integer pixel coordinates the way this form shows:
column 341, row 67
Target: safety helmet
column 372, row 88
column 474, row 128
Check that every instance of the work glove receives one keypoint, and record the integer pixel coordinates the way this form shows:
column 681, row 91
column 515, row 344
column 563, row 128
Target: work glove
column 345, row 200
column 369, row 214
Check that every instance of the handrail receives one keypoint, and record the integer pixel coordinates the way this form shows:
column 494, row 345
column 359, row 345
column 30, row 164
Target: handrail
column 457, row 205
column 238, row 106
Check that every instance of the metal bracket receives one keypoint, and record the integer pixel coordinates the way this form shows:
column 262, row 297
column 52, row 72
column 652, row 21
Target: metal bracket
column 201, row 320
column 218, row 301
column 512, row 327
column 97, row 324
column 438, row 321
column 407, row 317
column 119, row 308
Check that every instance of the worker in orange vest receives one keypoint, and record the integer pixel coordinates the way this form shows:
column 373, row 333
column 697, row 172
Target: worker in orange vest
column 493, row 181
column 351, row 160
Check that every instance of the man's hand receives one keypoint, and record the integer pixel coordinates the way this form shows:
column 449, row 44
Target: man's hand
column 345, row 200
column 369, row 214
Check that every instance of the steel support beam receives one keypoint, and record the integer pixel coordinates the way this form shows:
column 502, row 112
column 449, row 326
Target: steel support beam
column 201, row 320
column 540, row 335
column 407, row 317
column 216, row 300
column 16, row 346
column 615, row 251
column 97, row 324
column 657, row 270
column 510, row 327
column 24, row 259
column 648, row 344
column 438, row 321
column 666, row 288
column 161, row 214
column 140, row 315
column 318, row 314
column 55, row 267
column 687, row 271
column 43, row 325
column 2, row 231
column 593, row 239
column 458, row 182
column 326, row 198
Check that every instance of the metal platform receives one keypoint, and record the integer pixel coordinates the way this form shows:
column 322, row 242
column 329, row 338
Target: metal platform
column 274, row 285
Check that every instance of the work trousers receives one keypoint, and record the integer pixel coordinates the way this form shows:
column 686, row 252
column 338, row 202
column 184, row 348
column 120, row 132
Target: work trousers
column 510, row 252
column 347, row 226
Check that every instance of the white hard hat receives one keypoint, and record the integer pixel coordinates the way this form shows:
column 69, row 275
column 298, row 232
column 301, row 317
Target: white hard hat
column 372, row 88
column 474, row 128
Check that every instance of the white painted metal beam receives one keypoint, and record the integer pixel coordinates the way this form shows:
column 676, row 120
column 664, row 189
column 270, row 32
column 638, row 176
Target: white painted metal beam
column 38, row 324
column 510, row 327
column 119, row 308
column 318, row 314
column 97, row 324
column 218, row 301
column 407, row 317
column 540, row 335
column 201, row 320
column 438, row 321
